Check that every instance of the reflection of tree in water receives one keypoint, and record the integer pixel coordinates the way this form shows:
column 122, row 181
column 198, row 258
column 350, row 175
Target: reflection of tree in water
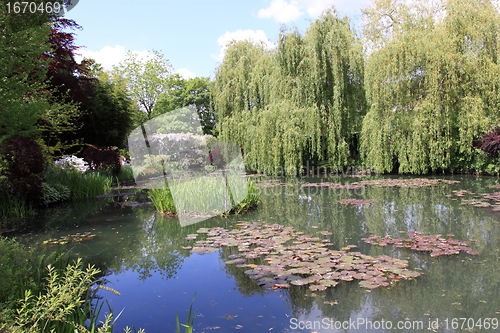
column 454, row 286
column 154, row 245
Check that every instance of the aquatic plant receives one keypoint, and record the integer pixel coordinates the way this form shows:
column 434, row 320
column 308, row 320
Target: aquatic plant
column 76, row 238
column 356, row 201
column 189, row 325
column 335, row 185
column 435, row 244
column 293, row 258
column 206, row 195
column 415, row 182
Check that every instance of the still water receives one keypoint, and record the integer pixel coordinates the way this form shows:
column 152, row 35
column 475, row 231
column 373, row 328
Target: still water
column 141, row 256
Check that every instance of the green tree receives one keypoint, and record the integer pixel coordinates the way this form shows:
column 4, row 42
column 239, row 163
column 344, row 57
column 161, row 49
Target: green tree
column 145, row 80
column 23, row 41
column 107, row 121
column 193, row 93
column 432, row 83
column 299, row 103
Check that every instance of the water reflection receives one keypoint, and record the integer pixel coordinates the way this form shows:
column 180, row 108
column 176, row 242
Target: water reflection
column 143, row 256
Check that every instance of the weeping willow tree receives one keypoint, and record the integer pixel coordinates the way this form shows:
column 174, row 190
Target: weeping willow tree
column 432, row 82
column 299, row 103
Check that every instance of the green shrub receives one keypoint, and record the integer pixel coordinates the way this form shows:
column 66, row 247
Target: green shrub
column 126, row 173
column 55, row 192
column 81, row 185
column 15, row 267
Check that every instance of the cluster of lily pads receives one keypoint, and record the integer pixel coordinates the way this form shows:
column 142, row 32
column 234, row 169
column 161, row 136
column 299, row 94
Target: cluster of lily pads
column 271, row 183
column 415, row 182
column 480, row 203
column 277, row 256
column 480, row 200
column 76, row 238
column 356, row 201
column 335, row 185
column 435, row 244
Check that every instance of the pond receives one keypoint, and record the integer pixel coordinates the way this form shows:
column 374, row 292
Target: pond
column 148, row 260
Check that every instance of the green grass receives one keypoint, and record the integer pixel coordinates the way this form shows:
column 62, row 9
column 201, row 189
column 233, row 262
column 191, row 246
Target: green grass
column 207, row 195
column 81, row 185
column 126, row 173
column 13, row 207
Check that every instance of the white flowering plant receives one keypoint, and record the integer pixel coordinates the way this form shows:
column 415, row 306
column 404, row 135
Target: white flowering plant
column 72, row 162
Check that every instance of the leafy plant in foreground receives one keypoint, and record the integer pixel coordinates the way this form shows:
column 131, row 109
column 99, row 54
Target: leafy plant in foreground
column 188, row 326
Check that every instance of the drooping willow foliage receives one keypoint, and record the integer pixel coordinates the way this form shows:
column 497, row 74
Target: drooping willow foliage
column 297, row 104
column 432, row 82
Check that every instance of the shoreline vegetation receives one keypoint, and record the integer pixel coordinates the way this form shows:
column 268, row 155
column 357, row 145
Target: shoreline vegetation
column 415, row 94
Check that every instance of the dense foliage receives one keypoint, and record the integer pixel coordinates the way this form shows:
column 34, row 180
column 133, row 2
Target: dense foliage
column 102, row 158
column 300, row 102
column 22, row 72
column 194, row 93
column 432, row 83
column 490, row 143
column 24, row 167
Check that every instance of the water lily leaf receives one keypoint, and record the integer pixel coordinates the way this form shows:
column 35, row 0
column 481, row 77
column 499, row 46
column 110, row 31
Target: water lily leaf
column 329, row 283
column 235, row 261
column 368, row 284
column 316, row 287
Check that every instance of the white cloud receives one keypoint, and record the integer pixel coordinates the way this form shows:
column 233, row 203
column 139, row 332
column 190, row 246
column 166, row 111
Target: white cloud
column 255, row 36
column 185, row 73
column 110, row 56
column 281, row 11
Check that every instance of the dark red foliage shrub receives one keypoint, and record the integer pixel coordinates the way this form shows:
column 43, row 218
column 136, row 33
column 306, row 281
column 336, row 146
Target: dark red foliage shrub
column 24, row 166
column 216, row 157
column 103, row 158
column 490, row 143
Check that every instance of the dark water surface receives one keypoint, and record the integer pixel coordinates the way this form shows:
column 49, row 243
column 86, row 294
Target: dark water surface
column 141, row 256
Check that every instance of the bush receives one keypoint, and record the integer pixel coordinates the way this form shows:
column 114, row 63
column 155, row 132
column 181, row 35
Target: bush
column 81, row 185
column 490, row 143
column 102, row 158
column 24, row 166
column 14, row 264
column 52, row 193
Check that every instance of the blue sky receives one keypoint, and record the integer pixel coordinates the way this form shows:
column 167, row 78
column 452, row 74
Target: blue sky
column 190, row 33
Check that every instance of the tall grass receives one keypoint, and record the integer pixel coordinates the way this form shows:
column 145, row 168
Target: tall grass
column 188, row 326
column 126, row 173
column 204, row 195
column 13, row 207
column 81, row 185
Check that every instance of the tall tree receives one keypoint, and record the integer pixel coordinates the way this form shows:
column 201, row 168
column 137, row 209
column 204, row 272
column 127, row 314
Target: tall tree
column 145, row 79
column 299, row 103
column 194, row 93
column 23, row 41
column 432, row 84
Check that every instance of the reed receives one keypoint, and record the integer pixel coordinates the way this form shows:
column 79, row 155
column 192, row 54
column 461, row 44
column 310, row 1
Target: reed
column 189, row 325
column 13, row 207
column 81, row 185
column 209, row 195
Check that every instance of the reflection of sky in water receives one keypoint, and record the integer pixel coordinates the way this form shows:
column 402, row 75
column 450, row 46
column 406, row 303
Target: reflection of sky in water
column 454, row 286
column 153, row 302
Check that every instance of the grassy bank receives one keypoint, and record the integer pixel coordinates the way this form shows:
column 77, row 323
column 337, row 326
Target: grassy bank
column 206, row 195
